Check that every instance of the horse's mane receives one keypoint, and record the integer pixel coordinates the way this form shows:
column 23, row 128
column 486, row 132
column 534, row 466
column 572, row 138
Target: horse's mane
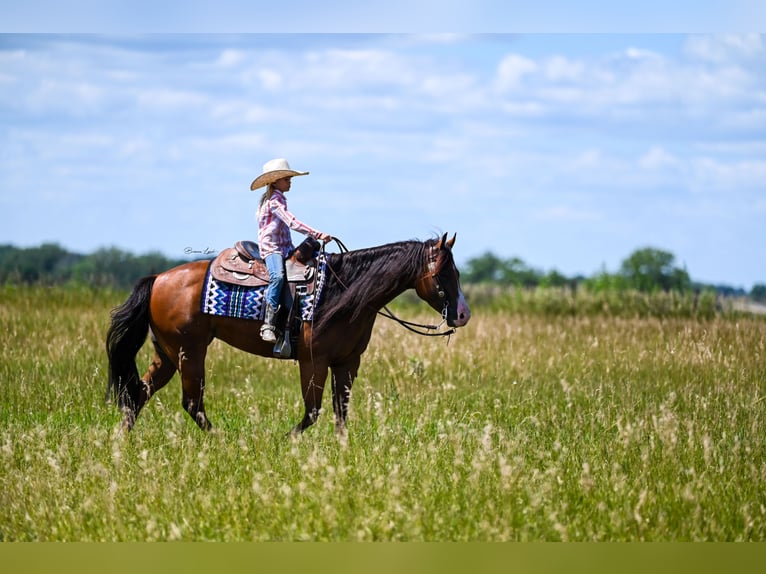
column 356, row 279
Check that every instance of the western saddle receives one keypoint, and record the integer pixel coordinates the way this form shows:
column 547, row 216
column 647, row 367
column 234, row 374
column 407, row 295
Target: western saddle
column 242, row 265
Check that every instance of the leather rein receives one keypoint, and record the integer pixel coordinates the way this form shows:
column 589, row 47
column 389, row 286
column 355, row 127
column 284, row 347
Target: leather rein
column 410, row 326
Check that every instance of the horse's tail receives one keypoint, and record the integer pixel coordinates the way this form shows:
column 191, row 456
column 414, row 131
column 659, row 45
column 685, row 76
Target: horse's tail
column 126, row 336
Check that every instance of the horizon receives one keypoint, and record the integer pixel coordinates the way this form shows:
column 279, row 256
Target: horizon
column 202, row 254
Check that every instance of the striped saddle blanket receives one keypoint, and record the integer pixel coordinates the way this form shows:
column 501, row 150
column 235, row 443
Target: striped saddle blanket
column 228, row 300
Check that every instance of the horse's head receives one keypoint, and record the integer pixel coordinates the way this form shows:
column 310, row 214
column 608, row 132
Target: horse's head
column 439, row 286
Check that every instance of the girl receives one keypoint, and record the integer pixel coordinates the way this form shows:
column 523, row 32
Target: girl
column 274, row 240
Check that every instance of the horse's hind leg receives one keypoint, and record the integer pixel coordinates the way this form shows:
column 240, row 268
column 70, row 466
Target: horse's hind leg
column 159, row 373
column 191, row 365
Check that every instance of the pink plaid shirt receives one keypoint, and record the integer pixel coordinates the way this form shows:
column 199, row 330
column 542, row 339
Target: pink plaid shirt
column 275, row 223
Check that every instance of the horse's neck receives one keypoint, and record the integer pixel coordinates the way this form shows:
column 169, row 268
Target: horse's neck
column 388, row 270
column 359, row 283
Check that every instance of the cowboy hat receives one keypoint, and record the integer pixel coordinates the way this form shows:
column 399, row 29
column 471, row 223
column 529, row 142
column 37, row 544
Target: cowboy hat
column 273, row 170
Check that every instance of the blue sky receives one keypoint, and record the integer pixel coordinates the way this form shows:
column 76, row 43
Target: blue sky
column 567, row 150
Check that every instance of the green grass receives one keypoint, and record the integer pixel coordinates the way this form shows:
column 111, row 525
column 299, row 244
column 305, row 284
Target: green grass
column 522, row 427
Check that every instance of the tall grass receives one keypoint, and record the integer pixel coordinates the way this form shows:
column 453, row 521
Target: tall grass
column 524, row 426
column 554, row 301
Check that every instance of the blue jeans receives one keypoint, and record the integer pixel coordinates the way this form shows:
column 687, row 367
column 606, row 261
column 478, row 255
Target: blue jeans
column 276, row 266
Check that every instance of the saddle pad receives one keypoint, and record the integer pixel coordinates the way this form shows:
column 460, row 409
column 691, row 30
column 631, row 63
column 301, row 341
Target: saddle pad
column 227, row 300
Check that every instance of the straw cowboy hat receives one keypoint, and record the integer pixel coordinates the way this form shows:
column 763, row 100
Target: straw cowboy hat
column 273, row 170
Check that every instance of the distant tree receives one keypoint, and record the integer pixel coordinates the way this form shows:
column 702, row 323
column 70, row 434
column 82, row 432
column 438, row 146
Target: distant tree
column 650, row 269
column 49, row 263
column 719, row 289
column 554, row 279
column 605, row 281
column 758, row 292
column 487, row 268
column 113, row 266
column 516, row 272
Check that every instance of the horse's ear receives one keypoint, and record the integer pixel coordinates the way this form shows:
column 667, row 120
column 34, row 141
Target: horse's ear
column 442, row 242
column 451, row 242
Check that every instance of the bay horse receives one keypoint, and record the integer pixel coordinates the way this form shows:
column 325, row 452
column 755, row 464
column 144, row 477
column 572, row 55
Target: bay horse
column 357, row 285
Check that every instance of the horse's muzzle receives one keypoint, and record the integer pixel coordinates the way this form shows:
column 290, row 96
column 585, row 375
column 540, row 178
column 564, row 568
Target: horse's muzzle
column 462, row 313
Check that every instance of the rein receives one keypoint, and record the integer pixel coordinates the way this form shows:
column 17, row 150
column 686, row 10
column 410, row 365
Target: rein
column 414, row 327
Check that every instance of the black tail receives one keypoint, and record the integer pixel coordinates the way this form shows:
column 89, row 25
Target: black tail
column 126, row 336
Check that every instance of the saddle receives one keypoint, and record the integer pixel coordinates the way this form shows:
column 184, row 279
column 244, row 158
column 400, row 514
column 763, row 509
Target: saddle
column 242, row 265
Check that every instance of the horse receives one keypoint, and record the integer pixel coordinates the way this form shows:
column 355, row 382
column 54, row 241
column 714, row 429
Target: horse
column 358, row 284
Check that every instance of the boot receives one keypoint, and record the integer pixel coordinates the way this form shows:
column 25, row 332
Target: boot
column 267, row 330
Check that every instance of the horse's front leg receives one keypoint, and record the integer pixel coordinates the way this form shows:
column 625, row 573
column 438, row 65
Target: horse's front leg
column 342, row 380
column 313, row 377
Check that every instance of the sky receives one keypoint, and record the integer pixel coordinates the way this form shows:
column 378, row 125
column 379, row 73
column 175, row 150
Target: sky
column 568, row 149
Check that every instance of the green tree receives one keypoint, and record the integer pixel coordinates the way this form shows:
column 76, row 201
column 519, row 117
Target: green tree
column 49, row 263
column 516, row 272
column 115, row 267
column 604, row 281
column 651, row 269
column 758, row 292
column 554, row 279
column 487, row 268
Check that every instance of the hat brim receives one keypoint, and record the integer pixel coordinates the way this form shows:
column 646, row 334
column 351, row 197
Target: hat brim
column 272, row 176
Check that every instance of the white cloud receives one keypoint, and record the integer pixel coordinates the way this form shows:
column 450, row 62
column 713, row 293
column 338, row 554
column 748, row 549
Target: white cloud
column 168, row 98
column 561, row 213
column 709, row 174
column 748, row 120
column 589, row 159
column 270, row 79
column 641, row 54
column 72, row 97
column 231, row 58
column 136, row 148
column 559, row 69
column 239, row 112
column 632, row 85
column 346, row 69
column 511, row 71
column 527, row 109
column 656, row 159
column 230, row 143
column 449, row 87
column 724, row 48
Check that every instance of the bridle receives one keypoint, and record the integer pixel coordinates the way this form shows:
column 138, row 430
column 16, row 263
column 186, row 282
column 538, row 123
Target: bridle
column 432, row 273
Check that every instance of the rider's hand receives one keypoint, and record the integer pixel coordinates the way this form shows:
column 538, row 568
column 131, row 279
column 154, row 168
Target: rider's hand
column 325, row 237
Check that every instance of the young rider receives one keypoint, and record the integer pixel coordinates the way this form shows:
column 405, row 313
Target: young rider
column 274, row 240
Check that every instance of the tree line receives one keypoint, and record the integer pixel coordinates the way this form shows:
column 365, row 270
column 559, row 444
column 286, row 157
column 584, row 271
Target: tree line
column 646, row 270
column 51, row 264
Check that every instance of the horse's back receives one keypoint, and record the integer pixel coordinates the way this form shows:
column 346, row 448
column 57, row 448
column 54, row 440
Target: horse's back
column 176, row 295
column 177, row 311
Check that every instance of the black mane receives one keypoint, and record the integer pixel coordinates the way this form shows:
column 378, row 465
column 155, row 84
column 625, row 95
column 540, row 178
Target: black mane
column 368, row 279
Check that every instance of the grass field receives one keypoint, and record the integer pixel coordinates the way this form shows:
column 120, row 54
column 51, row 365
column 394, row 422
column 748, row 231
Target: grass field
column 524, row 427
